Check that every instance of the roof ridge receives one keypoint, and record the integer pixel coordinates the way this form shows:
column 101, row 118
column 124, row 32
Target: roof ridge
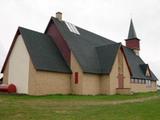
column 23, row 28
column 108, row 44
column 84, row 29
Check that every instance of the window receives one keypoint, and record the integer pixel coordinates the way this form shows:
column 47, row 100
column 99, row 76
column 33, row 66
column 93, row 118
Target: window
column 143, row 81
column 148, row 82
column 136, row 80
column 76, row 77
column 140, row 81
column 147, row 72
column 132, row 80
column 72, row 28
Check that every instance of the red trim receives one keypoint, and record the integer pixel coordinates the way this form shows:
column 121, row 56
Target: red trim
column 53, row 31
column 133, row 44
column 76, row 77
column 10, row 50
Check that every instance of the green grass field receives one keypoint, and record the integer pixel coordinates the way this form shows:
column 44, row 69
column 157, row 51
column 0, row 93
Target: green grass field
column 142, row 106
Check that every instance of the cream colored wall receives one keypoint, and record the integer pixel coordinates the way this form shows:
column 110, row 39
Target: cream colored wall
column 104, row 84
column 19, row 66
column 143, row 87
column 75, row 67
column 5, row 74
column 113, row 83
column 91, row 84
column 126, row 73
column 42, row 82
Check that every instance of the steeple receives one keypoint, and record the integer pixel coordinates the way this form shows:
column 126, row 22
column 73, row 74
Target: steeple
column 131, row 33
column 132, row 41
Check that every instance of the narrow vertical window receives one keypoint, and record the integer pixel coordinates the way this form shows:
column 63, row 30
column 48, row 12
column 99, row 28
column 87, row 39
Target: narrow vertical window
column 76, row 77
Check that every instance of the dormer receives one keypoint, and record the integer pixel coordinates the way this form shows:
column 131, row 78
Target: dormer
column 145, row 69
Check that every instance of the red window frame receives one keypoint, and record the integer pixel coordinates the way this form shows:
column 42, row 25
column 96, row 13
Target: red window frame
column 76, row 77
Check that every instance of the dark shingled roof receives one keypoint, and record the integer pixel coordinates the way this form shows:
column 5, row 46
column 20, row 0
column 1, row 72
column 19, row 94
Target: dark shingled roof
column 132, row 32
column 96, row 54
column 135, row 63
column 43, row 52
column 84, row 47
column 107, row 53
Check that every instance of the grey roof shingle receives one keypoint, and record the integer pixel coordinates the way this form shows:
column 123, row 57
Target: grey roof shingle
column 132, row 32
column 84, row 47
column 96, row 54
column 135, row 63
column 107, row 55
column 43, row 51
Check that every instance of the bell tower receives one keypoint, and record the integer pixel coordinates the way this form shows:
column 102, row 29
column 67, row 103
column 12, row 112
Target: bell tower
column 132, row 41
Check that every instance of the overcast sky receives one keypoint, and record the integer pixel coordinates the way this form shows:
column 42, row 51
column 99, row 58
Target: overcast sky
column 109, row 18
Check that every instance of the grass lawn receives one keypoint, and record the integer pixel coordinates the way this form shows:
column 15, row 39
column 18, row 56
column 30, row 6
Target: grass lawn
column 72, row 107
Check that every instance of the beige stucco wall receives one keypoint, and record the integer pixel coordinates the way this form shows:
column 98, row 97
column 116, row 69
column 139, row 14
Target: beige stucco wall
column 33, row 82
column 42, row 82
column 89, row 84
column 113, row 82
column 143, row 87
column 104, row 84
column 75, row 67
column 5, row 74
column 19, row 66
column 126, row 73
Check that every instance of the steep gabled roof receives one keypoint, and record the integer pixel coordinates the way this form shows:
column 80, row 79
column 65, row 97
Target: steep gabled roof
column 94, row 53
column 135, row 63
column 85, row 48
column 43, row 52
column 107, row 55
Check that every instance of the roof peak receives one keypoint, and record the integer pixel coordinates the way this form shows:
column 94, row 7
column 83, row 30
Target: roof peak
column 131, row 33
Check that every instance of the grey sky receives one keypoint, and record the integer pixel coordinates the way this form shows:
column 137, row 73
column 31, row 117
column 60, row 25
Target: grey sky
column 109, row 18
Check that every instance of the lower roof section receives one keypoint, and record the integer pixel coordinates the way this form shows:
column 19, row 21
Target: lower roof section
column 43, row 52
column 135, row 63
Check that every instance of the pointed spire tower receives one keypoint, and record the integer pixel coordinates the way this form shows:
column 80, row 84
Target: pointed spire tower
column 132, row 41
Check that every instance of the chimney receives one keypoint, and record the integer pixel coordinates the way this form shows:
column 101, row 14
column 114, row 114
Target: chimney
column 59, row 16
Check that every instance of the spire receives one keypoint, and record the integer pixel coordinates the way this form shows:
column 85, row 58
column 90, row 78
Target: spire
column 132, row 41
column 132, row 33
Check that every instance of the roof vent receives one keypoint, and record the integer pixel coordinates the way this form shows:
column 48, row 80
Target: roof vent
column 59, row 16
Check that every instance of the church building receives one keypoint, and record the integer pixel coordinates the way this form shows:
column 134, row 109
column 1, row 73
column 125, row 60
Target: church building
column 67, row 59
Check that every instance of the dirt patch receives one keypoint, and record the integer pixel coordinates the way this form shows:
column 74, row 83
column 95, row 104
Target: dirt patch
column 77, row 103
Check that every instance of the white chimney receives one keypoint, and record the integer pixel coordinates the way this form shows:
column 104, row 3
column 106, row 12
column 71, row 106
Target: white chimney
column 59, row 16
